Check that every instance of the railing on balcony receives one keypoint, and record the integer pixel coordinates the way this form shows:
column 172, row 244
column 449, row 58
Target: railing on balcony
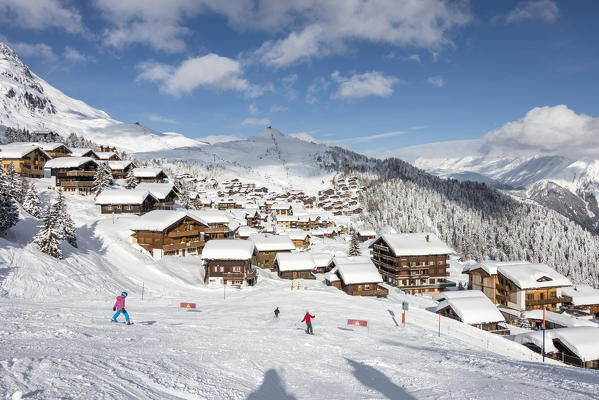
column 184, row 245
column 553, row 300
column 81, row 173
column 76, row 183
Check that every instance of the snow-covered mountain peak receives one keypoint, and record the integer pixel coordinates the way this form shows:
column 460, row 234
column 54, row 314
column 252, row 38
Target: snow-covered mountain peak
column 29, row 102
column 268, row 133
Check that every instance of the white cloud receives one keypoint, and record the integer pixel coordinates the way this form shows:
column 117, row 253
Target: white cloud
column 158, row 118
column 362, row 85
column 436, row 81
column 209, row 71
column 319, row 85
column 555, row 130
column 318, row 27
column 544, row 10
column 370, row 138
column 73, row 55
column 253, row 109
column 41, row 14
column 276, row 108
column 255, row 121
column 41, row 50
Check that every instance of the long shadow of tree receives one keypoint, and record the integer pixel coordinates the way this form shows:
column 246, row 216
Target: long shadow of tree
column 374, row 379
column 272, row 388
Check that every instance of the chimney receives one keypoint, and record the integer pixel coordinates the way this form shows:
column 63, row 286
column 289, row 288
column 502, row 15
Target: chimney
column 428, row 238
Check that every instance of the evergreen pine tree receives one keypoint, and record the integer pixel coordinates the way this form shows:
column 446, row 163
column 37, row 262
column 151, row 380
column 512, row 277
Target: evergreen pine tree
column 131, row 181
column 31, row 202
column 65, row 224
column 48, row 238
column 23, row 188
column 102, row 179
column 12, row 180
column 9, row 213
column 354, row 244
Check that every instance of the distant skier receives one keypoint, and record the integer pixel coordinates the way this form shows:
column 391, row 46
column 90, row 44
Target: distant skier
column 308, row 320
column 120, row 306
column 277, row 312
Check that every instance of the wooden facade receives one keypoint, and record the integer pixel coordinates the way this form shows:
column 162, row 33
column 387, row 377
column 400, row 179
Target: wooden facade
column 30, row 165
column 230, row 272
column 493, row 327
column 364, row 289
column 146, row 206
column 266, row 259
column 479, row 279
column 59, row 151
column 413, row 273
column 186, row 237
column 510, row 295
column 78, row 180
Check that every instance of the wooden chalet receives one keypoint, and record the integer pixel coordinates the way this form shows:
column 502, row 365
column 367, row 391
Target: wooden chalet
column 27, row 160
column 356, row 276
column 164, row 192
column 266, row 248
column 255, row 219
column 108, row 156
column 120, row 169
column 83, row 152
column 121, row 201
column 149, row 175
column 366, row 234
column 281, row 208
column 472, row 307
column 414, row 262
column 217, row 221
column 582, row 300
column 53, row 149
column 299, row 237
column 294, row 266
column 228, row 262
column 72, row 174
column 107, row 149
column 170, row 233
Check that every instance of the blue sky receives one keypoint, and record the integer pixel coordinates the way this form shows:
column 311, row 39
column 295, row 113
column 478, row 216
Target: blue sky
column 371, row 74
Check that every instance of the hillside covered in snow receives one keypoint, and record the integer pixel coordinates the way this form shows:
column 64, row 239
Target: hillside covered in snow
column 29, row 102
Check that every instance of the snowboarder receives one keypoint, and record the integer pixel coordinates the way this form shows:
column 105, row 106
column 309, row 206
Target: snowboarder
column 120, row 306
column 308, row 319
column 277, row 312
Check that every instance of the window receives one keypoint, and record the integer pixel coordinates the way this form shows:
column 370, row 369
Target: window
column 215, row 269
column 366, row 287
column 236, row 269
column 222, row 269
column 553, row 295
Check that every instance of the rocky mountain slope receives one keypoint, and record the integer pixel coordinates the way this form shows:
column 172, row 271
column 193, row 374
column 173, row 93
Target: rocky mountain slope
column 29, row 102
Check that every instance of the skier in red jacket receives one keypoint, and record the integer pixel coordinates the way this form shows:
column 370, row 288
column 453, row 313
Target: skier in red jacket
column 308, row 320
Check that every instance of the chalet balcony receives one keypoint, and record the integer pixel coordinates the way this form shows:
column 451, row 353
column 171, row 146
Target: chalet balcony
column 76, row 183
column 81, row 173
column 378, row 292
column 541, row 302
column 184, row 245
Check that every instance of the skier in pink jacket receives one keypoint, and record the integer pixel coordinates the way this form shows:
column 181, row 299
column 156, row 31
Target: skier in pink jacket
column 119, row 307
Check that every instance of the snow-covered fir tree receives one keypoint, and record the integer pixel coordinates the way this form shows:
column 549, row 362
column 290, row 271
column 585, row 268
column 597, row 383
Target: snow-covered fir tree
column 31, row 202
column 9, row 213
column 131, row 181
column 13, row 182
column 185, row 196
column 21, row 192
column 102, row 179
column 49, row 237
column 65, row 224
column 354, row 244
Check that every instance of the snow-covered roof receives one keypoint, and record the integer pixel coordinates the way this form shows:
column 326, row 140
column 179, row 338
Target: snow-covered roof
column 246, row 231
column 296, row 234
column 122, row 196
column 280, row 206
column 105, row 155
column 415, row 244
column 146, row 172
column 80, row 151
column 562, row 319
column 532, row 276
column 473, row 310
column 272, row 242
column 18, row 151
column 536, row 338
column 118, row 165
column 455, row 294
column 46, row 146
column 295, row 262
column 321, row 259
column 366, row 232
column 158, row 190
column 490, row 266
column 286, row 218
column 228, row 250
column 210, row 216
column 582, row 295
column 354, row 273
column 332, row 276
column 581, row 341
column 68, row 162
column 337, row 260
column 157, row 220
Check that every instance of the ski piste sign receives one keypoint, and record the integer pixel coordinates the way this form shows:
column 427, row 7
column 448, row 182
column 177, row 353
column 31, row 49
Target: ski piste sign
column 187, row 305
column 357, row 322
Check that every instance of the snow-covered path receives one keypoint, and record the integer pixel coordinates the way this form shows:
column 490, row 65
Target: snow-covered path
column 234, row 349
